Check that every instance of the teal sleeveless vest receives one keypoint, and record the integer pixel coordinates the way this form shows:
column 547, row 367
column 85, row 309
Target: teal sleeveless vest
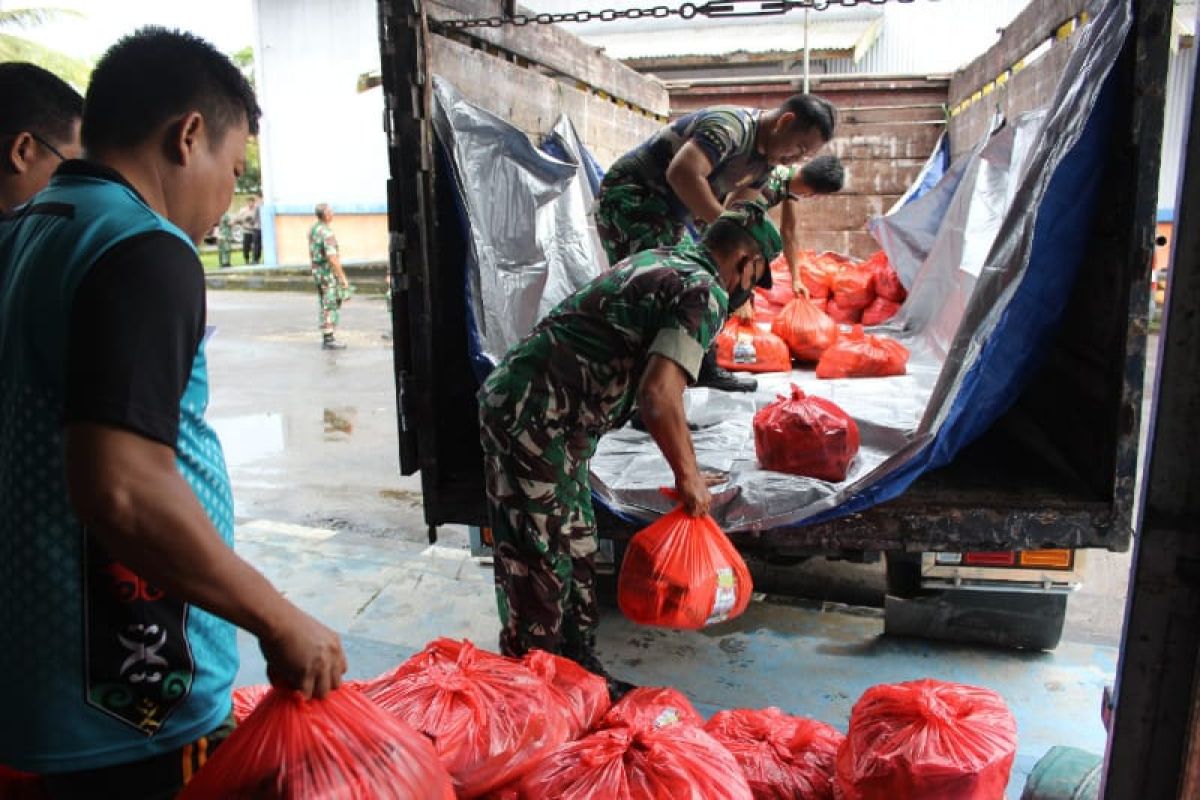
column 97, row 667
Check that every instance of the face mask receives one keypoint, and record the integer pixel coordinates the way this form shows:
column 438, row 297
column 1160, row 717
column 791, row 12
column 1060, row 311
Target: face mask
column 739, row 294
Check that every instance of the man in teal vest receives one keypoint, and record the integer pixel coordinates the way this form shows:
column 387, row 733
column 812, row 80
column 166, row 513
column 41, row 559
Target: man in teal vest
column 119, row 588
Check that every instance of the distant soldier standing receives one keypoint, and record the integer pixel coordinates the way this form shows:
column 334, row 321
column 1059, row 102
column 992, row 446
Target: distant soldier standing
column 224, row 240
column 332, row 286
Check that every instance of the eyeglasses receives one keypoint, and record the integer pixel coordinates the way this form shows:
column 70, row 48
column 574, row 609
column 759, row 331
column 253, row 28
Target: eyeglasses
column 48, row 146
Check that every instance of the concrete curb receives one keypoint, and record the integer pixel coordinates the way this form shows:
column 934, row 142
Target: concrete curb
column 368, row 278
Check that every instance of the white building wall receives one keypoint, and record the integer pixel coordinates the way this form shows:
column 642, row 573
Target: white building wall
column 321, row 141
column 1180, row 82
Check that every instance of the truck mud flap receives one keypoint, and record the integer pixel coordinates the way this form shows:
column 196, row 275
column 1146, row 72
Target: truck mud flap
column 1004, row 619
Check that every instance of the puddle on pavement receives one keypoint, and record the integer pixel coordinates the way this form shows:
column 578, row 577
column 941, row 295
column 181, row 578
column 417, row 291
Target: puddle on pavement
column 339, row 423
column 250, row 437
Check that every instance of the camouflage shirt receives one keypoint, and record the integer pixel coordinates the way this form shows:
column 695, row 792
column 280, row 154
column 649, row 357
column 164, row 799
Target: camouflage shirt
column 580, row 367
column 726, row 134
column 777, row 187
column 322, row 244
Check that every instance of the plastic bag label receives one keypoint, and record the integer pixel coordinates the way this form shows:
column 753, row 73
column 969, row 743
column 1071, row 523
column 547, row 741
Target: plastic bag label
column 726, row 596
column 744, row 352
column 667, row 717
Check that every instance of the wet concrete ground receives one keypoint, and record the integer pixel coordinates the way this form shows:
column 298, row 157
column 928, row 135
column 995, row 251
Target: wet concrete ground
column 310, row 439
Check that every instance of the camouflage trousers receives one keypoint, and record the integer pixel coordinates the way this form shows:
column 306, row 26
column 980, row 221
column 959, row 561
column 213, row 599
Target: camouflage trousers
column 329, row 300
column 630, row 218
column 544, row 533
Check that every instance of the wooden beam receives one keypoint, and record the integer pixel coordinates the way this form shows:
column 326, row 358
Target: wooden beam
column 563, row 52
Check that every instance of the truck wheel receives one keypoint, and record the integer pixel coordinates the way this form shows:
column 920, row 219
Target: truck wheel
column 1006, row 619
column 903, row 572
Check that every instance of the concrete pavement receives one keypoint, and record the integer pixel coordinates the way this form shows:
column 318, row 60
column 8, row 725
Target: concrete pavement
column 310, row 438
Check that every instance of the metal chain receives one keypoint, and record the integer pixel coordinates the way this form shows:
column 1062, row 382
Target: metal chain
column 713, row 9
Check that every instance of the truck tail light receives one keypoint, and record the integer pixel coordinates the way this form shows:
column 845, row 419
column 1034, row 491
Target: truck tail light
column 1048, row 559
column 1005, row 558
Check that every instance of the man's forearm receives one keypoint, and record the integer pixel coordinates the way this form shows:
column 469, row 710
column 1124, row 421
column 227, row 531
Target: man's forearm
column 694, row 192
column 790, row 230
column 666, row 422
column 150, row 520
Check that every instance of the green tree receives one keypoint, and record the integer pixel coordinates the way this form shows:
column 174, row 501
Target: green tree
column 74, row 71
column 251, row 180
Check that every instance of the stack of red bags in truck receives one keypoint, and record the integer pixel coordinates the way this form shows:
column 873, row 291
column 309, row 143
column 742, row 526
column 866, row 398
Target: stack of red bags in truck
column 867, row 292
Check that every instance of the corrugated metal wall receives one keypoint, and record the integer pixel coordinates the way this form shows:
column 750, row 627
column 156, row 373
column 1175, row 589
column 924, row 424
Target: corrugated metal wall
column 931, row 37
column 1180, row 82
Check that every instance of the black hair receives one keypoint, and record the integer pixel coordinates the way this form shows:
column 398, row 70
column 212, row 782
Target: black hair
column 39, row 102
column 824, row 174
column 156, row 74
column 812, row 112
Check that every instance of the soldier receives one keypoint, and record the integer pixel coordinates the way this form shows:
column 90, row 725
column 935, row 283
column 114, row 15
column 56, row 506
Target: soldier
column 682, row 175
column 332, row 286
column 39, row 130
column 787, row 186
column 224, row 240
column 636, row 334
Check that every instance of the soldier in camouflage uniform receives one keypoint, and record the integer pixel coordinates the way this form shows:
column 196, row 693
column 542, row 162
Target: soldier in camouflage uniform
column 636, row 334
column 787, row 186
column 332, row 286
column 683, row 174
column 224, row 240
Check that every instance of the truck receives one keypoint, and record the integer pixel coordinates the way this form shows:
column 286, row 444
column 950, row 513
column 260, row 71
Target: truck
column 1014, row 511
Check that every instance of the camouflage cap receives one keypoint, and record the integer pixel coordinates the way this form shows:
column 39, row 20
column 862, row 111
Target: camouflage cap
column 751, row 216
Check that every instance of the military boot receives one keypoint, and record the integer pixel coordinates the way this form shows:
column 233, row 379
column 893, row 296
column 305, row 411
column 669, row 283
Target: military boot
column 715, row 376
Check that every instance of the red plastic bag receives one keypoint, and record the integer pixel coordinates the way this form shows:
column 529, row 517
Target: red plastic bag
column 927, row 739
column 783, row 757
column 744, row 347
column 887, row 282
column 490, row 718
column 246, row 699
column 582, row 696
column 805, row 435
column 860, row 355
column 16, row 785
column 343, row 746
column 817, row 271
column 806, row 329
column 854, row 286
column 764, row 312
column 880, row 311
column 679, row 761
column 682, row 572
column 769, row 302
column 652, row 708
column 838, row 313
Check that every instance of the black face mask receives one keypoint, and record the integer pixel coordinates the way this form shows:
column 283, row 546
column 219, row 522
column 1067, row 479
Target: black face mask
column 739, row 296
